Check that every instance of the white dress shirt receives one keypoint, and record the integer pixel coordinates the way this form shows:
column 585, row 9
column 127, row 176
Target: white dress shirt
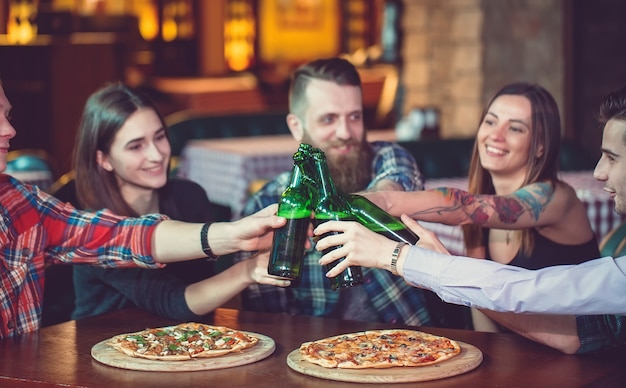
column 594, row 287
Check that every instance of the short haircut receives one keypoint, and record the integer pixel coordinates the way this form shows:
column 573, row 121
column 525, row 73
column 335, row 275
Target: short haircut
column 613, row 107
column 337, row 70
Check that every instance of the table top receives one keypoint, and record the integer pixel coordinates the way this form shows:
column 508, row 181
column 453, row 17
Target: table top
column 60, row 355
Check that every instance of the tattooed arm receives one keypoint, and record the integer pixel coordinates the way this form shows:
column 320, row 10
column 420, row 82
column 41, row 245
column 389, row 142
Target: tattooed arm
column 533, row 205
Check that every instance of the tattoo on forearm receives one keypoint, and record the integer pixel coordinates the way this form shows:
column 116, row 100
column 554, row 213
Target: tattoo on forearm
column 536, row 197
column 478, row 208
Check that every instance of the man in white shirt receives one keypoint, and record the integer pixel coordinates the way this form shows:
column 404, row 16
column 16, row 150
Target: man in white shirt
column 591, row 297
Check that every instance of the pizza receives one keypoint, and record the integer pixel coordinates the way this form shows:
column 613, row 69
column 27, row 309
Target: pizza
column 379, row 349
column 183, row 342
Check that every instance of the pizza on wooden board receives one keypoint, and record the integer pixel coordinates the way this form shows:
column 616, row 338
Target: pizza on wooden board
column 379, row 349
column 183, row 342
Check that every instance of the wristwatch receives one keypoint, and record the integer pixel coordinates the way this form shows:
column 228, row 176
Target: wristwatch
column 394, row 257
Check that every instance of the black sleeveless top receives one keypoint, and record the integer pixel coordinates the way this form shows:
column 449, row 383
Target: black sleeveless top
column 547, row 253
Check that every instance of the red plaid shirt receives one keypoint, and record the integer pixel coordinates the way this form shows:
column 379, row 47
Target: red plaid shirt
column 36, row 228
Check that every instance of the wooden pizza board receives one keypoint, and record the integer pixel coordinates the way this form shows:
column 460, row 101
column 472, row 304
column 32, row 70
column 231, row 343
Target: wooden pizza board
column 469, row 358
column 109, row 356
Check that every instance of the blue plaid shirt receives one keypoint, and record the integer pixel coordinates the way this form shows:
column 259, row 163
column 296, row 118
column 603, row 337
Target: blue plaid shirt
column 597, row 332
column 390, row 296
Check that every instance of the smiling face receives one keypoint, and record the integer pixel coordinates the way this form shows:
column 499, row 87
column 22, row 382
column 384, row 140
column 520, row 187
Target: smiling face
column 333, row 122
column 7, row 132
column 505, row 135
column 139, row 154
column 611, row 168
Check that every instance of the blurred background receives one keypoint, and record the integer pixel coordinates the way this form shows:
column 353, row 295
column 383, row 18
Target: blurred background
column 235, row 57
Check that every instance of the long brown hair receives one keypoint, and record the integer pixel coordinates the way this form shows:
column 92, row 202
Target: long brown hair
column 546, row 132
column 105, row 113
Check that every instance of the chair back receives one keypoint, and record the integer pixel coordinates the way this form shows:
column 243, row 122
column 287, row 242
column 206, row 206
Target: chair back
column 614, row 243
column 189, row 125
column 32, row 166
column 64, row 188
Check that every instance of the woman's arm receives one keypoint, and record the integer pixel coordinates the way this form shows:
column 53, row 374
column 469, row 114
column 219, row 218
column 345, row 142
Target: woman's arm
column 207, row 295
column 534, row 205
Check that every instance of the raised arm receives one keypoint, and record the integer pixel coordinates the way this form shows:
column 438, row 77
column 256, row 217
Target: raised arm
column 481, row 283
column 207, row 295
column 534, row 205
column 177, row 241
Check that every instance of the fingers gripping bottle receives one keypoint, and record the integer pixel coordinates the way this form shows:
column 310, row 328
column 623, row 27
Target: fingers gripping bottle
column 294, row 205
column 379, row 221
column 332, row 205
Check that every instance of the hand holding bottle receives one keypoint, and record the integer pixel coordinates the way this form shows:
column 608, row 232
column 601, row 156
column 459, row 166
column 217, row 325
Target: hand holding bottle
column 256, row 267
column 359, row 245
column 332, row 205
column 379, row 221
column 378, row 198
column 295, row 206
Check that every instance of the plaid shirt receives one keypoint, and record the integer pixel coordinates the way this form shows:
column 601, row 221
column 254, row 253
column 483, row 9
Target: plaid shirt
column 36, row 229
column 390, row 296
column 597, row 332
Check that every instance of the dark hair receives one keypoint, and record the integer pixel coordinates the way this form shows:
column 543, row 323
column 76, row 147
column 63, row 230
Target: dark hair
column 105, row 113
column 613, row 107
column 546, row 132
column 337, row 70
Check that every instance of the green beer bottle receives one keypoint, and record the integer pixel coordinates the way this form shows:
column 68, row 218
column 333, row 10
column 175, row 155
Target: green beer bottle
column 289, row 240
column 379, row 221
column 332, row 205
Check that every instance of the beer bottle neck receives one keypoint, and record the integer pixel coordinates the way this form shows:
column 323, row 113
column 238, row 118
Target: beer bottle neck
column 326, row 185
column 296, row 176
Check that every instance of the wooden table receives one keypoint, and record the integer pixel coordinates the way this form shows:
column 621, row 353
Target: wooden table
column 60, row 355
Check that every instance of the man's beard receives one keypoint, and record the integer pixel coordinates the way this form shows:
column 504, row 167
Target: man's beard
column 351, row 172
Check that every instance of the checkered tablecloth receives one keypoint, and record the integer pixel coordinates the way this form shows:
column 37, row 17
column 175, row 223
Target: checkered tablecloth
column 599, row 205
column 225, row 168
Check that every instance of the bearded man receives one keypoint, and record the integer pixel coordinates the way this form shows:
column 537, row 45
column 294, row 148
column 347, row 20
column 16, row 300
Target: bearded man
column 326, row 111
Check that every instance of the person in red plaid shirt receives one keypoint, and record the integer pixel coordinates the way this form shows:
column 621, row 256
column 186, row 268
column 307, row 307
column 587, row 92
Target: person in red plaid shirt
column 36, row 229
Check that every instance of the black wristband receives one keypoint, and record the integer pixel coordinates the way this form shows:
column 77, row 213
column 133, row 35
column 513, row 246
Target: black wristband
column 204, row 239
